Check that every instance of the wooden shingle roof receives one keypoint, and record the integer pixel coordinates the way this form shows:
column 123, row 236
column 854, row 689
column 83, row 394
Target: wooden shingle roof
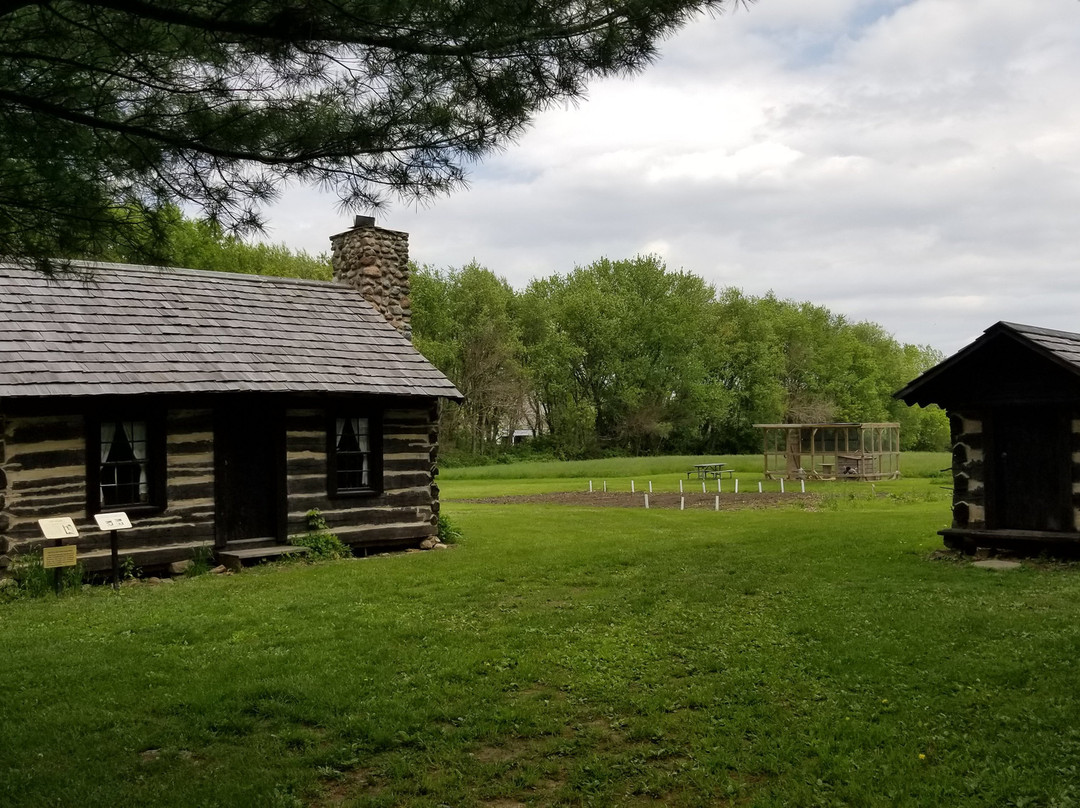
column 1009, row 361
column 112, row 329
column 1063, row 346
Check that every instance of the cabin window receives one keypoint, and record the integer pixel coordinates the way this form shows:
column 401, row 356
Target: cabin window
column 125, row 478
column 126, row 465
column 354, row 455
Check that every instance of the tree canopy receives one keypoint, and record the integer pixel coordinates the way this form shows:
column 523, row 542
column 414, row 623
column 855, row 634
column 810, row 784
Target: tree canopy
column 180, row 241
column 629, row 356
column 215, row 103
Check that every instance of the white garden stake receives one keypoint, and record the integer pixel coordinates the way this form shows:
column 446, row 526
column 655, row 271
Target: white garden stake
column 736, row 485
column 703, row 487
column 759, row 488
column 631, row 486
column 682, row 503
column 680, row 486
column 718, row 503
column 781, row 485
column 646, row 502
column 802, row 485
column 719, row 490
column 590, row 486
column 650, row 486
column 605, row 486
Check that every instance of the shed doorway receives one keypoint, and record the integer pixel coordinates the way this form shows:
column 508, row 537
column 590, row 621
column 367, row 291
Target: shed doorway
column 249, row 467
column 1029, row 484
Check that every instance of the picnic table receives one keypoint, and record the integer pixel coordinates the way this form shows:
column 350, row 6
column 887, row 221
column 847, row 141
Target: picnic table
column 705, row 470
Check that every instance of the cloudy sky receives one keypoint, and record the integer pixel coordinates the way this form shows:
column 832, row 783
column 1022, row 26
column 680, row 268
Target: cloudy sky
column 914, row 163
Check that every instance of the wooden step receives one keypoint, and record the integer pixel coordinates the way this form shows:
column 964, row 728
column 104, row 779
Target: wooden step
column 257, row 541
column 234, row 557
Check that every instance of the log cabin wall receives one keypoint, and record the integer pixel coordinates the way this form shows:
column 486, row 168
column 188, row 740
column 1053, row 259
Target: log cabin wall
column 44, row 466
column 5, row 543
column 43, row 473
column 1074, row 450
column 404, row 512
column 968, row 470
column 189, row 514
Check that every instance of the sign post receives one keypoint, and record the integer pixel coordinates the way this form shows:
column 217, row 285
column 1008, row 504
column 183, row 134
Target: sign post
column 114, row 522
column 62, row 555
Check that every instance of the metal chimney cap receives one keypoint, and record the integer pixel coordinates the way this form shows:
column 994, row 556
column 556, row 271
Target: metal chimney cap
column 363, row 221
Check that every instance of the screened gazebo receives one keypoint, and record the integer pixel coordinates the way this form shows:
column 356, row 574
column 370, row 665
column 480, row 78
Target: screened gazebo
column 831, row 451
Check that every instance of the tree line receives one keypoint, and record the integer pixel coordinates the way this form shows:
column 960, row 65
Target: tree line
column 629, row 356
column 174, row 240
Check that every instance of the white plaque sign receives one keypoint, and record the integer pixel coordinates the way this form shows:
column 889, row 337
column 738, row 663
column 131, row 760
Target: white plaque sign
column 59, row 528
column 112, row 521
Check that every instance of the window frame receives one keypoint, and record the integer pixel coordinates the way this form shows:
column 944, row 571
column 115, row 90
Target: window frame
column 156, row 462
column 375, row 454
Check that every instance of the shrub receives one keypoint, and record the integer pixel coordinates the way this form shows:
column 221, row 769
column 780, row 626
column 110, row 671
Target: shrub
column 448, row 532
column 32, row 580
column 321, row 542
column 200, row 562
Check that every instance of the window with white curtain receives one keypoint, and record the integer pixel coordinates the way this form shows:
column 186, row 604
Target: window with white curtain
column 352, row 455
column 124, row 477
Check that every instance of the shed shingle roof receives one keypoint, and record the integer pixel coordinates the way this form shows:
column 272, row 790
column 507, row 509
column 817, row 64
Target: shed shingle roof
column 1062, row 348
column 116, row 329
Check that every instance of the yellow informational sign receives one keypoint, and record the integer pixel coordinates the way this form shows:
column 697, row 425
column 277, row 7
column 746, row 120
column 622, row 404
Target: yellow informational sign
column 59, row 556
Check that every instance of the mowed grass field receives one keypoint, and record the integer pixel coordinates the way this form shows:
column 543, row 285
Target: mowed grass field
column 565, row 655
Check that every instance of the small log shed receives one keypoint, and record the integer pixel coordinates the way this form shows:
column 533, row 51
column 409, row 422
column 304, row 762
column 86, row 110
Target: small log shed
column 1013, row 400
column 217, row 409
column 832, row 451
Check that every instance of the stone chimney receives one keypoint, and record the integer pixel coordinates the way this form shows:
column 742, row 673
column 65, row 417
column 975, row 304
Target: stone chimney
column 375, row 262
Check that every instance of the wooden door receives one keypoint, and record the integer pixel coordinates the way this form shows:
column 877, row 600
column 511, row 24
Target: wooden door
column 249, row 465
column 1029, row 479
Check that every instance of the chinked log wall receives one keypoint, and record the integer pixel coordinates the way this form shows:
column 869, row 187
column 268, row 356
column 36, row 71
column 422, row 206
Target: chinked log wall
column 969, row 491
column 45, row 469
column 43, row 474
column 1075, row 455
column 407, row 509
column 969, row 470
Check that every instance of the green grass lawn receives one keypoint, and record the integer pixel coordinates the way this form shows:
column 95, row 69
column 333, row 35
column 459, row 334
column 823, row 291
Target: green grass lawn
column 921, row 471
column 566, row 656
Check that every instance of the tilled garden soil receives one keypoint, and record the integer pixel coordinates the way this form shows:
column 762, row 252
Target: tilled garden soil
column 624, row 499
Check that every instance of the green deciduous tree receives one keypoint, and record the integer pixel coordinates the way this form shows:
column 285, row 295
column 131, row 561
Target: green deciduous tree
column 141, row 103
column 623, row 345
column 464, row 322
column 631, row 356
column 745, row 365
column 179, row 241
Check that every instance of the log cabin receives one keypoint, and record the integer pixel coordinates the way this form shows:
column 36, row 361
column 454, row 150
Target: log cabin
column 217, row 409
column 1013, row 400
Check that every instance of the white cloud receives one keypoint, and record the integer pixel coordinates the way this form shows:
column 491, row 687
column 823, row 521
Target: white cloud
column 914, row 163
